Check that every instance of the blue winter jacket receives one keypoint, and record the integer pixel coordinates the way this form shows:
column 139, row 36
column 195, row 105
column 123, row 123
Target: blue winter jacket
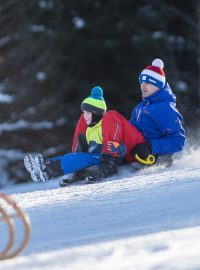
column 160, row 122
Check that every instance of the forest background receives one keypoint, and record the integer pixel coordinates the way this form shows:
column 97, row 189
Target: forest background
column 53, row 52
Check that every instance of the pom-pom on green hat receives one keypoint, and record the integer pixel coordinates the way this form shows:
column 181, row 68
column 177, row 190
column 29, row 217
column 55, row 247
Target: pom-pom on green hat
column 95, row 103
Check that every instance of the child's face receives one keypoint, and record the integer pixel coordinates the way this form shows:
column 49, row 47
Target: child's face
column 148, row 89
column 88, row 117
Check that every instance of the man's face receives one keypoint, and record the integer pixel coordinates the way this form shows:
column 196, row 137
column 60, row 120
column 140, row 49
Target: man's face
column 88, row 117
column 148, row 89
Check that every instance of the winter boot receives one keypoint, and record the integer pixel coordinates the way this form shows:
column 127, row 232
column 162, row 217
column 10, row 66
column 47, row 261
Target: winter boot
column 75, row 177
column 31, row 166
column 36, row 167
column 41, row 167
column 53, row 168
column 107, row 168
column 48, row 169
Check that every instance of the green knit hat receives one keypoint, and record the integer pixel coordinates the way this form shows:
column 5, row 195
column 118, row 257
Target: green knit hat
column 95, row 103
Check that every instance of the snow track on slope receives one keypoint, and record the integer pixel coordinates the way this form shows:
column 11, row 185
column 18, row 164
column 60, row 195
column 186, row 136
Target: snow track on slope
column 114, row 224
column 138, row 205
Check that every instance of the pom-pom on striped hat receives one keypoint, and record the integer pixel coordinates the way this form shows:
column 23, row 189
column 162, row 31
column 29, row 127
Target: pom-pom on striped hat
column 95, row 103
column 154, row 74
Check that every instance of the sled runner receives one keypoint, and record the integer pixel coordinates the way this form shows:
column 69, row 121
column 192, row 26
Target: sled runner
column 10, row 212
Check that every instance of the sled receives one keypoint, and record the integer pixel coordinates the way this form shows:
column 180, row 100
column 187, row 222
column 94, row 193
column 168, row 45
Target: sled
column 10, row 214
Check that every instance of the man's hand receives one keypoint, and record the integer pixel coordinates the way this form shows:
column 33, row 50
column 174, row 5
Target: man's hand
column 143, row 153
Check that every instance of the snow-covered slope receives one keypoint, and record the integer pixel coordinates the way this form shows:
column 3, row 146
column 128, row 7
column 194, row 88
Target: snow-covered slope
column 147, row 220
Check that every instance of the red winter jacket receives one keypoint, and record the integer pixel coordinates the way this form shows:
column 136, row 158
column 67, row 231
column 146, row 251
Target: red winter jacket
column 115, row 127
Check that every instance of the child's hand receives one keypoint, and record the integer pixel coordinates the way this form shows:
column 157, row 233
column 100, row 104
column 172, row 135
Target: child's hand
column 116, row 148
column 113, row 147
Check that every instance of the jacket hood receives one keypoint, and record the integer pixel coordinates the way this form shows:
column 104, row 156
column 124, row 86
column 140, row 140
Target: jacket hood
column 164, row 94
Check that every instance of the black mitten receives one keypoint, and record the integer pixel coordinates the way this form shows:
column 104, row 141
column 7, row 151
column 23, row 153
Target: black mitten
column 143, row 150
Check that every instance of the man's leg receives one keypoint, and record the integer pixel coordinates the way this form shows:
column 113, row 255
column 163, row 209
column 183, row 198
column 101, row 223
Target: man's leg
column 107, row 168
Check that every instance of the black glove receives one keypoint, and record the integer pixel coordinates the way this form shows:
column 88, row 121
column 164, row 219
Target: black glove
column 143, row 150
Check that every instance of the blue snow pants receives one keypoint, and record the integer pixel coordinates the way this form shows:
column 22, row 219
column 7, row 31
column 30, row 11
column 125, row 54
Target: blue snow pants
column 72, row 162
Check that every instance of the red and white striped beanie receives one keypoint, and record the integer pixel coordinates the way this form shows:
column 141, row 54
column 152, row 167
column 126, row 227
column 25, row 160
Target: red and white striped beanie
column 154, row 74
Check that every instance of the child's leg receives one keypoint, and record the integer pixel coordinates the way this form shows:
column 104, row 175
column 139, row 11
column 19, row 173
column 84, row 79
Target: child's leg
column 72, row 162
column 43, row 170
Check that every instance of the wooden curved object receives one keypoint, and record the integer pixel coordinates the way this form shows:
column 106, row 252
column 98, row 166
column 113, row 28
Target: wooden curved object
column 11, row 249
